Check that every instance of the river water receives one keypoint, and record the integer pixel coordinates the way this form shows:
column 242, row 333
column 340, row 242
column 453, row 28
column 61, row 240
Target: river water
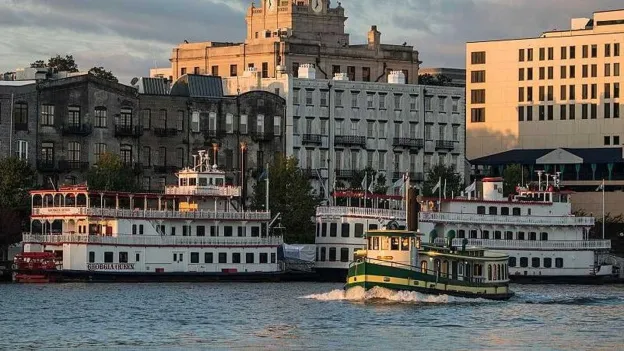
column 293, row 316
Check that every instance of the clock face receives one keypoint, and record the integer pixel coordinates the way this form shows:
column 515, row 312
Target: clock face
column 271, row 4
column 317, row 6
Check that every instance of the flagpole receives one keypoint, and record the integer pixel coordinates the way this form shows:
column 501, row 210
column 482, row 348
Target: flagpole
column 406, row 184
column 603, row 209
column 440, row 194
column 365, row 187
column 267, row 189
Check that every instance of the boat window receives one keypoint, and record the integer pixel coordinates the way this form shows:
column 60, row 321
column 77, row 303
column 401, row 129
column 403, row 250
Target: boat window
column 376, row 243
column 227, row 230
column 332, row 254
column 493, row 210
column 520, row 235
column 123, row 257
column 219, row 181
column 524, row 262
column 445, row 268
column 183, row 182
column 318, row 229
column 384, row 243
column 405, row 244
column 532, row 236
column 423, row 266
column 192, row 181
column 489, row 272
column 344, row 254
column 222, row 257
column 500, row 272
column 264, row 258
column 208, row 257
column 548, row 197
column 480, row 209
column 134, row 231
column 249, row 257
column 512, row 261
column 473, row 234
column 373, row 227
column 236, row 257
column 528, row 211
column 547, row 262
column 505, row 211
column 255, row 231
column 344, row 230
column 359, row 230
column 468, row 270
column 535, row 262
column 194, row 257
column 543, row 236
column 478, row 270
column 494, row 272
column 508, row 235
column 324, row 229
column 460, row 269
column 137, row 257
column 91, row 256
column 369, row 241
column 436, row 266
column 516, row 211
column 559, row 262
column 203, row 181
column 394, row 243
column 273, row 257
column 497, row 234
column 541, row 197
column 485, row 234
column 323, row 251
column 108, row 257
column 461, row 234
column 333, row 227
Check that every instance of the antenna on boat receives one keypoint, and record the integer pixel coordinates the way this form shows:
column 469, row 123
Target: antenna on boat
column 539, row 179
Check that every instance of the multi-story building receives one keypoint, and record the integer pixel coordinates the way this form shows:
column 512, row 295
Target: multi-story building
column 286, row 34
column 62, row 126
column 336, row 127
column 457, row 75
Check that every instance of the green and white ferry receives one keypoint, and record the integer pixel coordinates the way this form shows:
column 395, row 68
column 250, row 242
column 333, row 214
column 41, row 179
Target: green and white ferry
column 397, row 259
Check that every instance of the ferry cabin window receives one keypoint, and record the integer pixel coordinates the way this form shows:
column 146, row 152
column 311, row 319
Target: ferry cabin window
column 333, row 227
column 473, row 234
column 512, row 261
column 461, row 234
column 480, row 209
column 183, row 181
column 91, row 256
column 359, row 230
column 273, row 257
column 344, row 230
column 543, row 236
column 520, row 235
column 394, row 244
column 108, row 257
column 192, row 181
column 140, row 229
column 161, row 229
column 123, row 257
column 559, row 262
column 194, row 257
column 185, row 230
column 332, row 254
column 423, row 266
column 200, row 230
column 219, row 182
column 344, row 254
column 222, row 257
column 255, row 231
column 505, row 211
column 249, row 257
column 516, row 211
column 497, row 234
column 236, row 258
column 405, row 244
column 264, row 257
column 175, row 257
column 173, row 231
column 213, row 230
column 485, row 234
column 535, row 262
column 373, row 227
column 528, row 211
column 532, row 236
column 323, row 251
column 324, row 232
column 375, row 243
column 384, row 243
column 134, row 229
column 547, row 262
column 241, row 231
column 208, row 257
column 493, row 210
column 227, row 230
column 203, row 181
column 524, row 262
column 508, row 235
column 137, row 257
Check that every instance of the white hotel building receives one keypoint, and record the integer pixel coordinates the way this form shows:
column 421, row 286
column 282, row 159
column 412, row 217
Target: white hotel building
column 335, row 127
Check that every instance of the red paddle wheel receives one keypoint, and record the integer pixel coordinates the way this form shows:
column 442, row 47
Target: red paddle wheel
column 31, row 267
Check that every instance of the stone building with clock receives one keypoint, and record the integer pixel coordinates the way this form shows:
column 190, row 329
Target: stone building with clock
column 285, row 34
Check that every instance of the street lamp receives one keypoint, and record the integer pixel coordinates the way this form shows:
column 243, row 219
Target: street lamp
column 215, row 148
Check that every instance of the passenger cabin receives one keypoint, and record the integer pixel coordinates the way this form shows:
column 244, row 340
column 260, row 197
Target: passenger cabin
column 392, row 247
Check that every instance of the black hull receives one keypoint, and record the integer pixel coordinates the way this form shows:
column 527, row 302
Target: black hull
column 575, row 279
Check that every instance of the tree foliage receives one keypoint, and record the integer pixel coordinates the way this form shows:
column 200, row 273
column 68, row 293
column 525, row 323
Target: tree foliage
column 438, row 79
column 102, row 73
column 58, row 62
column 454, row 182
column 371, row 175
column 512, row 177
column 111, row 174
column 17, row 178
column 290, row 194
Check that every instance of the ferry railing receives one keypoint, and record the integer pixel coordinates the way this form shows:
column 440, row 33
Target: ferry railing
column 500, row 219
column 155, row 214
column 359, row 211
column 531, row 244
column 206, row 191
column 151, row 240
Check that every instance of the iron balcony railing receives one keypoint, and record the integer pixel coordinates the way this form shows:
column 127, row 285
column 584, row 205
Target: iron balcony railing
column 165, row 132
column 141, row 240
column 350, row 140
column 128, row 131
column 312, row 139
column 445, row 144
column 341, row 211
column 410, row 143
column 149, row 214
column 470, row 218
column 531, row 244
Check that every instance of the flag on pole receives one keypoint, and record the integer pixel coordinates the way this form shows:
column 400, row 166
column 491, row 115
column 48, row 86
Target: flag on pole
column 264, row 174
column 472, row 187
column 371, row 187
column 445, row 188
column 601, row 186
column 437, row 186
column 364, row 181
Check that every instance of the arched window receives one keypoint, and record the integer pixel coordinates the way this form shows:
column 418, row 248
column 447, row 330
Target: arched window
column 500, row 272
column 445, row 268
column 489, row 272
column 126, row 154
column 494, row 272
column 423, row 266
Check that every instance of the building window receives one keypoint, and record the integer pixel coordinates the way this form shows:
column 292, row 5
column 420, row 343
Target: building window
column 214, row 70
column 521, row 74
column 594, row 111
column 100, row 148
column 477, row 115
column 277, row 125
column 520, row 113
column 477, row 96
column 182, row 71
column 562, row 112
column 607, row 110
column 542, row 73
column 572, row 52
column 146, row 118
column 607, row 140
column 233, row 70
column 126, row 154
column 616, row 49
column 477, row 77
column 265, row 70
column 529, row 113
column 551, row 72
column 22, row 150
column 616, row 69
column 20, row 116
column 585, row 71
column 477, row 58
column 324, row 98
column 542, row 54
column 366, row 74
column 351, row 73
column 594, row 71
column 521, row 94
column 616, row 110
column 530, row 73
column 529, row 54
column 335, row 70
column 521, row 55
column 73, row 151
column 47, row 115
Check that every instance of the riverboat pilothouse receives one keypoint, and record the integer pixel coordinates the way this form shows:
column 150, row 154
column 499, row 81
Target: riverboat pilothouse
column 195, row 230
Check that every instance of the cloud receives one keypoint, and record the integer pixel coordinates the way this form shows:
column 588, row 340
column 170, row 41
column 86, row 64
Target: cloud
column 129, row 37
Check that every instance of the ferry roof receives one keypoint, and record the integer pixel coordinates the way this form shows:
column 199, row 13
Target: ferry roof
column 433, row 250
column 393, row 232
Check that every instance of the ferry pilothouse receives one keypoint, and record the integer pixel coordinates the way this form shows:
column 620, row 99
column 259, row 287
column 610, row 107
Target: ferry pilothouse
column 195, row 230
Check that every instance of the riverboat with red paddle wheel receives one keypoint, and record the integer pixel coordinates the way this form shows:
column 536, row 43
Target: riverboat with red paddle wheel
column 34, row 267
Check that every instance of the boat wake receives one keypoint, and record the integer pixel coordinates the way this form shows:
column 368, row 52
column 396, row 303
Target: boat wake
column 358, row 294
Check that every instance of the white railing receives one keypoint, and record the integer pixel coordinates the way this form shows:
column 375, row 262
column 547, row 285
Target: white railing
column 151, row 240
column 471, row 218
column 531, row 244
column 359, row 211
column 233, row 191
column 151, row 214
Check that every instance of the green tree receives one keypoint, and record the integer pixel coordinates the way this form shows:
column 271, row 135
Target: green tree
column 290, row 194
column 58, row 62
column 512, row 177
column 438, row 79
column 380, row 186
column 454, row 182
column 111, row 174
column 100, row 72
column 17, row 178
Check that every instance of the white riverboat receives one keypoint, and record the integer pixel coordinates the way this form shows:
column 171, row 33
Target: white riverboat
column 536, row 228
column 195, row 230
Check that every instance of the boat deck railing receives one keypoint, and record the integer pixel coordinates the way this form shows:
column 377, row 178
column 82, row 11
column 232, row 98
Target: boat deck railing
column 531, row 244
column 340, row 211
column 473, row 218
column 155, row 214
column 149, row 240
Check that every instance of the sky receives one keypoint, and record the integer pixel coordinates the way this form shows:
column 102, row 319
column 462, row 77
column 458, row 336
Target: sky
column 129, row 37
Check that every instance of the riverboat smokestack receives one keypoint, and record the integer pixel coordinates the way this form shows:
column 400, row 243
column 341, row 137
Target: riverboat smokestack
column 413, row 208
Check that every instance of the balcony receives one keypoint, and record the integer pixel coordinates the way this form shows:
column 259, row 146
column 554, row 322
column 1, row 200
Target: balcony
column 165, row 169
column 475, row 219
column 414, row 176
column 128, row 131
column 165, row 132
column 312, row 139
column 46, row 166
column 533, row 244
column 444, row 145
column 343, row 211
column 350, row 140
column 69, row 166
column 409, row 143
column 344, row 173
column 77, row 129
column 259, row 136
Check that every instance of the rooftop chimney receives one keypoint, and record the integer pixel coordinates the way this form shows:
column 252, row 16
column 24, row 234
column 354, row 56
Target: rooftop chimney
column 374, row 38
column 307, row 71
column 396, row 77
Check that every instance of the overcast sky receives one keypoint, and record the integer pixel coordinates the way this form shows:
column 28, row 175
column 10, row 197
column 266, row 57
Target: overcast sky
column 131, row 36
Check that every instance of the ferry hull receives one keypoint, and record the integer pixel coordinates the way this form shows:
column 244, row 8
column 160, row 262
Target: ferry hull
column 368, row 275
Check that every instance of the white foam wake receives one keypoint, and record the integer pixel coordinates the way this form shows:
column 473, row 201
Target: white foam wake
column 379, row 293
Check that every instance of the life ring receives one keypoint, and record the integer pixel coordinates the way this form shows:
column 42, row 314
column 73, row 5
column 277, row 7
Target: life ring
column 431, row 205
